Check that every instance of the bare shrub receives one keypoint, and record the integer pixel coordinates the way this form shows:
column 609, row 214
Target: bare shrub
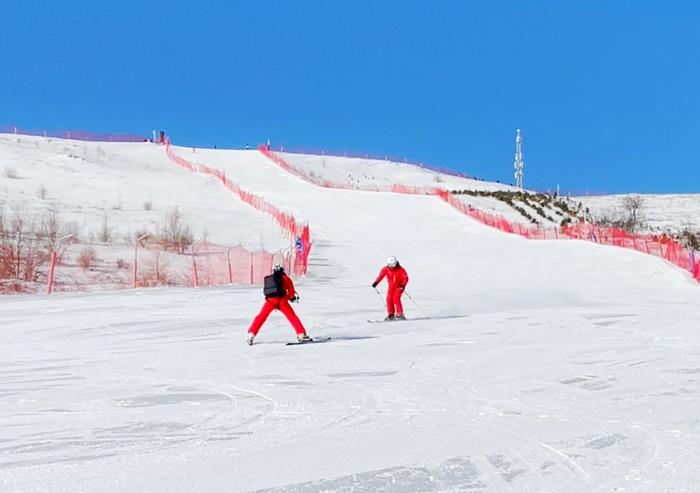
column 633, row 205
column 21, row 252
column 105, row 234
column 627, row 217
column 157, row 272
column 87, row 257
column 11, row 172
column 690, row 238
column 11, row 286
column 122, row 264
column 42, row 192
column 49, row 228
column 147, row 205
column 174, row 234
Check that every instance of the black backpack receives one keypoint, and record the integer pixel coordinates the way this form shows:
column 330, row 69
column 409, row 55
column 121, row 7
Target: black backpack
column 273, row 287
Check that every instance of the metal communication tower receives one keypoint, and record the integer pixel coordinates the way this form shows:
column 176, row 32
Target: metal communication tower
column 519, row 163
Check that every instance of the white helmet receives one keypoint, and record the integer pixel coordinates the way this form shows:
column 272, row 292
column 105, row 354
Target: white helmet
column 277, row 268
column 392, row 262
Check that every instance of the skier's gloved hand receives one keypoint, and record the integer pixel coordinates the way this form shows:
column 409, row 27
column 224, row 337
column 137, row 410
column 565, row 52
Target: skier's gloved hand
column 374, row 284
column 402, row 287
column 295, row 298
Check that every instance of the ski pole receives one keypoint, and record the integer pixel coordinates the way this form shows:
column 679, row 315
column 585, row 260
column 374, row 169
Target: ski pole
column 417, row 305
column 380, row 297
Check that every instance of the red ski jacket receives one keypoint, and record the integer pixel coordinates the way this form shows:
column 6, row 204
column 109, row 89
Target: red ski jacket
column 397, row 277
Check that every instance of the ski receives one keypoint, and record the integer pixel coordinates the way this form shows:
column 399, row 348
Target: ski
column 313, row 340
column 382, row 321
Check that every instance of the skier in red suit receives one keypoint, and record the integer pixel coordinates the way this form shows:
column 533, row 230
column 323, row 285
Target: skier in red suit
column 397, row 278
column 278, row 294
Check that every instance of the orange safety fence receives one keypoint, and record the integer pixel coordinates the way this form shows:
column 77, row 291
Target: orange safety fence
column 295, row 231
column 215, row 265
column 660, row 246
column 202, row 264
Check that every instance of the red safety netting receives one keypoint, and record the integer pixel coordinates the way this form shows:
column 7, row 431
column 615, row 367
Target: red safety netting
column 75, row 135
column 297, row 232
column 660, row 246
column 215, row 265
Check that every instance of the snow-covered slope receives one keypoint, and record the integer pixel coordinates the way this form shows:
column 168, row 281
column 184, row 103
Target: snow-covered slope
column 658, row 212
column 369, row 174
column 107, row 194
column 543, row 366
column 360, row 173
column 133, row 185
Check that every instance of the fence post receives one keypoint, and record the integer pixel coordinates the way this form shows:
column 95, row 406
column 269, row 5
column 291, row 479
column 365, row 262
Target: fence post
column 230, row 270
column 195, row 277
column 134, row 271
column 51, row 271
column 54, row 260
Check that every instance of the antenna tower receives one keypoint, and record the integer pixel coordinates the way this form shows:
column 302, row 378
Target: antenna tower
column 519, row 164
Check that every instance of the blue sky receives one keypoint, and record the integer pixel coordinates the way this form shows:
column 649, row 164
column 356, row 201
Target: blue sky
column 607, row 93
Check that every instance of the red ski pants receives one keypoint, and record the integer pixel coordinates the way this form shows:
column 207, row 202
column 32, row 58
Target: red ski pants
column 393, row 301
column 282, row 304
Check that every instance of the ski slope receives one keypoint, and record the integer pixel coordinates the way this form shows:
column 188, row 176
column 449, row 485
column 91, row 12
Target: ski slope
column 372, row 174
column 544, row 366
column 362, row 173
column 88, row 181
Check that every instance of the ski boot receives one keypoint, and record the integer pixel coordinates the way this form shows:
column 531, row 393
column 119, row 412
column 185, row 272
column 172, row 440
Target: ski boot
column 304, row 338
column 249, row 338
column 389, row 318
column 400, row 317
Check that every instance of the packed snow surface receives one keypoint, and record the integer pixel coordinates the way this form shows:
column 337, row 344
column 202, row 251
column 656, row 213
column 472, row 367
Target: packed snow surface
column 527, row 366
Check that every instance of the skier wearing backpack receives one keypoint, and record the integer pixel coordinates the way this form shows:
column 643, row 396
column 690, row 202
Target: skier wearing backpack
column 397, row 278
column 279, row 291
